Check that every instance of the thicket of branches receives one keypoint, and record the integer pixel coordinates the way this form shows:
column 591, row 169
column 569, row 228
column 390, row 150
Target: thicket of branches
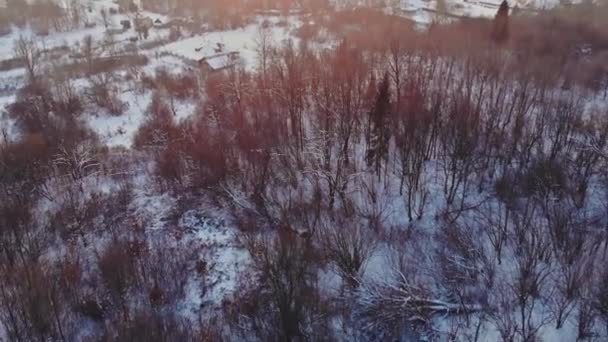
column 477, row 176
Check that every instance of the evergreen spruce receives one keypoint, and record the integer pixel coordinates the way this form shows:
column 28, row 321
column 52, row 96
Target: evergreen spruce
column 500, row 31
column 379, row 132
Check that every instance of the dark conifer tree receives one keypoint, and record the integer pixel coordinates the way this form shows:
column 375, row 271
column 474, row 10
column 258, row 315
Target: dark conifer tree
column 500, row 31
column 379, row 132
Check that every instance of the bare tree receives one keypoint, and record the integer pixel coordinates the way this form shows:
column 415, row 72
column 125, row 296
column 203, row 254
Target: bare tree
column 263, row 49
column 88, row 53
column 391, row 308
column 28, row 50
column 104, row 18
column 349, row 246
column 532, row 272
column 286, row 305
column 78, row 162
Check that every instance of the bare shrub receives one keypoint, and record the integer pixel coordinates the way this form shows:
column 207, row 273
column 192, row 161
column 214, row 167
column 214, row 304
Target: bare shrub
column 286, row 306
column 348, row 246
column 103, row 94
column 117, row 271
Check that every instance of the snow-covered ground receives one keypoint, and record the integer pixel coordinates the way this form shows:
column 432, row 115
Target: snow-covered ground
column 207, row 232
column 118, row 130
column 225, row 257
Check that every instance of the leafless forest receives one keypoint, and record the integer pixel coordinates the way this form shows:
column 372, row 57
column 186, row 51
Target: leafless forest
column 393, row 183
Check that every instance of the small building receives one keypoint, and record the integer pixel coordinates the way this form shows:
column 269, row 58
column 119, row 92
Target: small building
column 207, row 56
column 219, row 62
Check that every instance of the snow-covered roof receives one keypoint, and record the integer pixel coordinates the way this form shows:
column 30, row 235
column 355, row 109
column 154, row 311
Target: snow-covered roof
column 221, row 61
column 197, row 48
